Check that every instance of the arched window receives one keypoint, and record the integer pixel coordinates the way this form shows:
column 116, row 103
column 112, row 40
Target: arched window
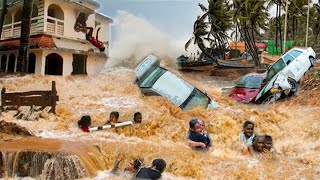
column 55, row 11
column 54, row 64
column 32, row 63
column 3, row 63
column 11, row 63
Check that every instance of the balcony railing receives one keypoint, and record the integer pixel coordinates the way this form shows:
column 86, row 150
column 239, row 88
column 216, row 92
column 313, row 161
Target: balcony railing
column 55, row 26
column 13, row 30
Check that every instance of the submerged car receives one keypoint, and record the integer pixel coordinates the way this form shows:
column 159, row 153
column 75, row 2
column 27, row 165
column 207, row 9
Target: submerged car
column 284, row 75
column 155, row 80
column 247, row 87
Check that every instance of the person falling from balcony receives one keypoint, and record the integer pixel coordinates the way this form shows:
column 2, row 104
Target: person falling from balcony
column 93, row 40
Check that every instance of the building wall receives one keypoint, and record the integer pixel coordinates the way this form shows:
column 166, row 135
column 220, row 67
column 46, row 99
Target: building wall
column 71, row 12
column 95, row 63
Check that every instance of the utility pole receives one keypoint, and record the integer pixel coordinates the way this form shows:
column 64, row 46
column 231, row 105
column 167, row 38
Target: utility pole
column 285, row 28
column 307, row 25
column 2, row 15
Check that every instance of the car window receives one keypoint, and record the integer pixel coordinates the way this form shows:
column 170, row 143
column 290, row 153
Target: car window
column 196, row 99
column 251, row 82
column 152, row 77
column 295, row 53
column 276, row 67
column 288, row 58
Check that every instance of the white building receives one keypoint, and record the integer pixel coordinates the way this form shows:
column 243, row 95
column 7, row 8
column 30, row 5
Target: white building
column 56, row 48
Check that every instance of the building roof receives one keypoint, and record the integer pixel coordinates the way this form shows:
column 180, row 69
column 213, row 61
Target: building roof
column 100, row 15
column 36, row 42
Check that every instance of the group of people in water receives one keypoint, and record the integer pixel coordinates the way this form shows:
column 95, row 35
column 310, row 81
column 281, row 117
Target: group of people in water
column 198, row 138
column 253, row 144
column 85, row 122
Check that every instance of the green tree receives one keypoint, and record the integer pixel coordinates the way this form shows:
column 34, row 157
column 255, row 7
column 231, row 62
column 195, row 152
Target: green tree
column 25, row 36
column 250, row 16
column 210, row 29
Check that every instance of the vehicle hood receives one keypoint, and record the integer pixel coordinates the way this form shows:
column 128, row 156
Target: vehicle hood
column 172, row 87
column 243, row 94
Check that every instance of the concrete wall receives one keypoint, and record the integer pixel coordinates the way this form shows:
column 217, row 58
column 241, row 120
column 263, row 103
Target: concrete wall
column 71, row 13
column 95, row 63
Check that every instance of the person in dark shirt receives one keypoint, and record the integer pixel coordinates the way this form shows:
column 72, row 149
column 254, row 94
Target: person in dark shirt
column 197, row 137
column 153, row 172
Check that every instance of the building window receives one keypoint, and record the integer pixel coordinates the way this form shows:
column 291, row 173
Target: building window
column 55, row 11
column 79, row 64
column 54, row 64
column 55, row 20
column 32, row 63
column 3, row 63
column 11, row 63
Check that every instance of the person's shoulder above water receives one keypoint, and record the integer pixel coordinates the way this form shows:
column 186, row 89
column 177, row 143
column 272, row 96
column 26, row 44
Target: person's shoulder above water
column 153, row 172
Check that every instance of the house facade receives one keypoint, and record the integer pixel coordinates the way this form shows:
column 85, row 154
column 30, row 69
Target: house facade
column 56, row 46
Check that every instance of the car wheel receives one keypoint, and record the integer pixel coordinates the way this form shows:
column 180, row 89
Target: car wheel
column 294, row 87
column 270, row 98
column 311, row 59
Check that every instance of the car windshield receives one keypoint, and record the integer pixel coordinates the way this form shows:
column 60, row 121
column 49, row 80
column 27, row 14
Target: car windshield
column 196, row 99
column 152, row 77
column 276, row 67
column 295, row 53
column 251, row 82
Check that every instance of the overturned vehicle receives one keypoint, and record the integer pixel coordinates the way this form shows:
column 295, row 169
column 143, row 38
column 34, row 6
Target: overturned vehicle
column 154, row 80
column 284, row 76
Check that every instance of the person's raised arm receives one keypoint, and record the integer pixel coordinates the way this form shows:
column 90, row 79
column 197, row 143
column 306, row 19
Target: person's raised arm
column 195, row 144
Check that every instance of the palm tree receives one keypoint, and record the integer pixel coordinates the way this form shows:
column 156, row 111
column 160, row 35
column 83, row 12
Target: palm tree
column 250, row 16
column 25, row 36
column 3, row 14
column 210, row 29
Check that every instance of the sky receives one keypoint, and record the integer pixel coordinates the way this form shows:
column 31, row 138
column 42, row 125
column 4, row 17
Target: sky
column 174, row 17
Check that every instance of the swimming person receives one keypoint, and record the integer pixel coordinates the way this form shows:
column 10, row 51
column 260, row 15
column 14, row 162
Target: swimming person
column 154, row 171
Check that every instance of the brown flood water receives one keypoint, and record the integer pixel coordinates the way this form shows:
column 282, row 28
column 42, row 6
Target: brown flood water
column 293, row 124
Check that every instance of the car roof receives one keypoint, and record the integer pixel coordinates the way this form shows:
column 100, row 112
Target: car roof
column 262, row 75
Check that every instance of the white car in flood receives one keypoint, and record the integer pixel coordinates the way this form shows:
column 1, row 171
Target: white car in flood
column 285, row 74
column 155, row 80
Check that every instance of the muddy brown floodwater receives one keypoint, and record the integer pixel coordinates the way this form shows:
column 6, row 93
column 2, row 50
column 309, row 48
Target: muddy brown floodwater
column 293, row 123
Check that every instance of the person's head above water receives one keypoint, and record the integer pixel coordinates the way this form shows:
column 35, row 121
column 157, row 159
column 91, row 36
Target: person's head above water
column 194, row 125
column 114, row 116
column 85, row 121
column 258, row 143
column 134, row 165
column 268, row 142
column 102, row 49
column 159, row 164
column 248, row 128
column 137, row 117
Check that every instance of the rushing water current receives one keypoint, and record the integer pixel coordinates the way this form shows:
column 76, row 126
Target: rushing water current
column 294, row 125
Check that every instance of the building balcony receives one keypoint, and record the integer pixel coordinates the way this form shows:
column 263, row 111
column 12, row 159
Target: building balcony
column 54, row 27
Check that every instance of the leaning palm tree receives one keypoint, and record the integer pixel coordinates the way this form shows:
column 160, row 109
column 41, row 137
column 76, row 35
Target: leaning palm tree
column 25, row 35
column 250, row 16
column 210, row 29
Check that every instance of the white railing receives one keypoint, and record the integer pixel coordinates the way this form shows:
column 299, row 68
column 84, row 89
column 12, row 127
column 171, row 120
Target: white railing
column 55, row 26
column 14, row 30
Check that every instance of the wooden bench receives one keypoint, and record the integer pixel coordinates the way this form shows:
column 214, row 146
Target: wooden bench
column 30, row 98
